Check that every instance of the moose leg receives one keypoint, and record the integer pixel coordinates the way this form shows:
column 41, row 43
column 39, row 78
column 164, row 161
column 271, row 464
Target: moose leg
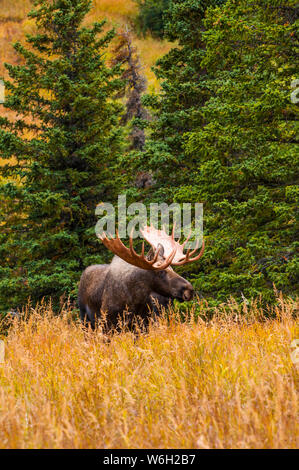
column 86, row 316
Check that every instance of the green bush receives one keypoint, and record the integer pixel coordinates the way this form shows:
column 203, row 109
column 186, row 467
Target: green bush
column 151, row 16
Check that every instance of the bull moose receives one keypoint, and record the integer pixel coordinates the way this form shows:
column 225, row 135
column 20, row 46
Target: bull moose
column 133, row 282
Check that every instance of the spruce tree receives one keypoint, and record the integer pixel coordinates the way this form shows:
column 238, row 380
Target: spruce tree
column 60, row 152
column 247, row 150
column 177, row 108
column 225, row 134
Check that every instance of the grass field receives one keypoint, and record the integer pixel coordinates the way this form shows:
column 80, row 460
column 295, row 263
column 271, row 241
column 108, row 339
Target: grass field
column 228, row 382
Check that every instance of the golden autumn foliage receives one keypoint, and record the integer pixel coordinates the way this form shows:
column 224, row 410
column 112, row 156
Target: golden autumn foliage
column 228, row 382
column 14, row 25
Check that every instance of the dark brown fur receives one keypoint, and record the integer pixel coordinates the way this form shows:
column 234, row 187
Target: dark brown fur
column 119, row 286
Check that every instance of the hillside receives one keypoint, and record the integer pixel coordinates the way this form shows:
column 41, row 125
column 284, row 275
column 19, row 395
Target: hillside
column 14, row 25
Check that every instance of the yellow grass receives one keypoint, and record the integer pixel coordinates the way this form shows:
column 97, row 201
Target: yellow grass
column 114, row 8
column 119, row 13
column 224, row 383
column 14, row 9
column 18, row 8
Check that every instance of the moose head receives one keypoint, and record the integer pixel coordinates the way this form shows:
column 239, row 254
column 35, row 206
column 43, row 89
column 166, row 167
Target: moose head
column 132, row 280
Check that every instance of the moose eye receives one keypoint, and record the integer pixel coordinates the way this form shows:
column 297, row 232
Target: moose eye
column 162, row 274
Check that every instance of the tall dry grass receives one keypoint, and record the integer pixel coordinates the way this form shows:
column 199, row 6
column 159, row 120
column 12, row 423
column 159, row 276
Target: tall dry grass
column 228, row 382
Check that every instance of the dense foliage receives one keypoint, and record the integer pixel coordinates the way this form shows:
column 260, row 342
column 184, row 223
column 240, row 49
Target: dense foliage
column 151, row 16
column 247, row 149
column 226, row 134
column 223, row 131
column 60, row 153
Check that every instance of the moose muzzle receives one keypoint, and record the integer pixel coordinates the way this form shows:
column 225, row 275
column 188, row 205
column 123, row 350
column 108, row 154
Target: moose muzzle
column 188, row 294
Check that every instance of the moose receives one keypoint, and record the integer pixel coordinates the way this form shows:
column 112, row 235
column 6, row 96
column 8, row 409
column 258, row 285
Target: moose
column 135, row 283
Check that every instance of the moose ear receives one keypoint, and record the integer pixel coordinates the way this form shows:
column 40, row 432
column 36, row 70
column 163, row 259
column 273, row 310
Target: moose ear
column 152, row 252
column 161, row 249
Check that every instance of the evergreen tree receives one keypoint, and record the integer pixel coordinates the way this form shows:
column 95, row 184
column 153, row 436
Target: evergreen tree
column 247, row 149
column 177, row 109
column 60, row 153
column 151, row 16
column 225, row 134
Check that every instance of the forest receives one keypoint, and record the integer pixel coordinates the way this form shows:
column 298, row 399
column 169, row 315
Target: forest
column 160, row 101
column 80, row 126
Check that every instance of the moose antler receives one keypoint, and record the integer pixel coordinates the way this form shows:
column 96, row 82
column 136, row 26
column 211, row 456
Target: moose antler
column 154, row 237
column 130, row 256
